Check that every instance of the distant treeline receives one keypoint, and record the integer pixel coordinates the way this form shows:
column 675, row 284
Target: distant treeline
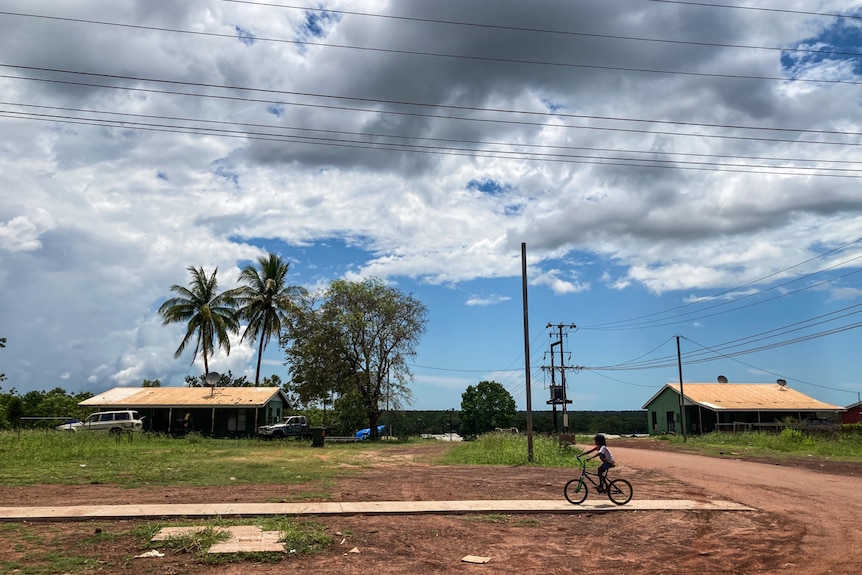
column 615, row 422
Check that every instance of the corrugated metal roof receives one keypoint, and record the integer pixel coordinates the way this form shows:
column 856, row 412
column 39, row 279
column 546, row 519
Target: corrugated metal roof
column 183, row 396
column 750, row 397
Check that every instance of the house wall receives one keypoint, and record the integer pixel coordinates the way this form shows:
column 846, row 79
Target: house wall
column 273, row 412
column 216, row 422
column 663, row 413
column 852, row 415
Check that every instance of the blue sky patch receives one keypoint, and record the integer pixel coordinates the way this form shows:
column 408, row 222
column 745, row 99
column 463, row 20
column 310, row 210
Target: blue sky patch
column 513, row 210
column 245, row 36
column 276, row 110
column 488, row 186
column 841, row 38
column 552, row 106
column 318, row 263
column 222, row 170
column 316, row 22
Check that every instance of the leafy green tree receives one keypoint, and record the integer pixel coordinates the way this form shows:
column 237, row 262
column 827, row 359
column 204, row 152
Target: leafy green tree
column 317, row 370
column 152, row 383
column 265, row 301
column 273, row 381
column 54, row 403
column 485, row 407
column 209, row 316
column 348, row 414
column 356, row 342
column 224, row 380
column 11, row 408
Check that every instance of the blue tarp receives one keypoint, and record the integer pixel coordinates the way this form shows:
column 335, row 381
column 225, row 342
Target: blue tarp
column 366, row 433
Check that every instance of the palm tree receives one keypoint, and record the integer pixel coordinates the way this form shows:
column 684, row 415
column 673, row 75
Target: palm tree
column 210, row 315
column 265, row 301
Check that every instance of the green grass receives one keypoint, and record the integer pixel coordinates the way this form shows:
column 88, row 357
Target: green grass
column 510, row 449
column 59, row 556
column 38, row 457
column 785, row 444
column 298, row 536
column 35, row 457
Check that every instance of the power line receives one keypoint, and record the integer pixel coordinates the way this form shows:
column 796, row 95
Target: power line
column 817, row 171
column 772, row 372
column 735, row 309
column 693, row 358
column 503, row 111
column 416, row 138
column 617, row 324
column 450, row 23
column 631, row 162
column 755, row 8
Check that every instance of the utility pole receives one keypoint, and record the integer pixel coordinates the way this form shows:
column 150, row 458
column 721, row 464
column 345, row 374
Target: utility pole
column 553, row 400
column 681, row 394
column 527, row 353
column 560, row 327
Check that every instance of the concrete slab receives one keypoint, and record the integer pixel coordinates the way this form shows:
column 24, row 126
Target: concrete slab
column 243, row 538
column 89, row 512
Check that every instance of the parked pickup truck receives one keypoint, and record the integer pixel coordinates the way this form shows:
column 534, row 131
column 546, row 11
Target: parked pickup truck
column 290, row 426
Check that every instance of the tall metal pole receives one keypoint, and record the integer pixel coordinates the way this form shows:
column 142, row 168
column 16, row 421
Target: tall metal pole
column 554, row 387
column 681, row 393
column 527, row 353
column 563, row 382
column 564, row 399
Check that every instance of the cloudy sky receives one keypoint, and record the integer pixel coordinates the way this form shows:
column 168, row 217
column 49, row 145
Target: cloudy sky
column 673, row 170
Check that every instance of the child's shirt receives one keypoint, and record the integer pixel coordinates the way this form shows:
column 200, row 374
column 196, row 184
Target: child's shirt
column 605, row 454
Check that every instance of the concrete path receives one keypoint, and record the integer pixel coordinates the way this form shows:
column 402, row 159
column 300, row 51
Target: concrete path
column 87, row 512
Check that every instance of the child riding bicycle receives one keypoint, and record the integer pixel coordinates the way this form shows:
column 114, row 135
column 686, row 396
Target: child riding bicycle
column 601, row 446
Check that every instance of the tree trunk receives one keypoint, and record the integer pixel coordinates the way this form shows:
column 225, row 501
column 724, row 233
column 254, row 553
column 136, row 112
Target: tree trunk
column 259, row 358
column 373, row 419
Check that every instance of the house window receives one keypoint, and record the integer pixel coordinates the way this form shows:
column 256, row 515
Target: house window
column 654, row 420
column 236, row 421
column 671, row 421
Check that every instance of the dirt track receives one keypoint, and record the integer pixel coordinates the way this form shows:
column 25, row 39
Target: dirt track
column 804, row 524
column 820, row 510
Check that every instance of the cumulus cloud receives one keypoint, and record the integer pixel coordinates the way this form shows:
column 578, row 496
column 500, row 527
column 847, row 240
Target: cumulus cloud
column 163, row 135
column 558, row 285
column 487, row 300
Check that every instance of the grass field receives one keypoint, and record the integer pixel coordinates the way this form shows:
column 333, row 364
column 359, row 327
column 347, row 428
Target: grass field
column 40, row 457
column 787, row 443
column 34, row 457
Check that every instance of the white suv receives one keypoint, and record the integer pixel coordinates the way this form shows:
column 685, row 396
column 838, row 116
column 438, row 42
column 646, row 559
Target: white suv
column 113, row 421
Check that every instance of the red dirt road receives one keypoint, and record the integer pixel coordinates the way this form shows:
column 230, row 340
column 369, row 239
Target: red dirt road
column 823, row 509
column 806, row 521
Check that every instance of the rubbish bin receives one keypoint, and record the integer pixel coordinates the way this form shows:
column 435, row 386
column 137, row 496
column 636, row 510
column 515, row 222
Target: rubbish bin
column 317, row 436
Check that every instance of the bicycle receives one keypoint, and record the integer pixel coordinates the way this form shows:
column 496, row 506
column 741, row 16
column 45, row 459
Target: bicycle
column 619, row 490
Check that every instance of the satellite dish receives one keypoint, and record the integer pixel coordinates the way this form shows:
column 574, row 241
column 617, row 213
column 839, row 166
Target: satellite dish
column 212, row 378
column 722, row 379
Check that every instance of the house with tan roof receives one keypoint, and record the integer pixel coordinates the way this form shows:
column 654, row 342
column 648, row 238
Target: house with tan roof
column 725, row 406
column 215, row 411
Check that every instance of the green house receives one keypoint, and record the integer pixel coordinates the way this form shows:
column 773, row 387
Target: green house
column 727, row 406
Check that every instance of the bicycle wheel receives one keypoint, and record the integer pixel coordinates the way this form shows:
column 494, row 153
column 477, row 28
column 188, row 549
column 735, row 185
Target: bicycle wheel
column 574, row 494
column 620, row 491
